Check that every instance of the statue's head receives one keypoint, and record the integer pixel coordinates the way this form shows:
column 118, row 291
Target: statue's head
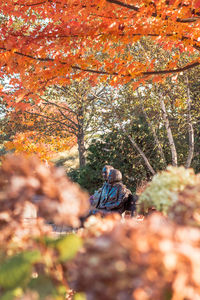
column 105, row 171
column 114, row 176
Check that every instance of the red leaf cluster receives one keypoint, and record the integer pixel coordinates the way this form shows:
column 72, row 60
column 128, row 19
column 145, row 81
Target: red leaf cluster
column 95, row 225
column 156, row 259
column 186, row 211
column 28, row 184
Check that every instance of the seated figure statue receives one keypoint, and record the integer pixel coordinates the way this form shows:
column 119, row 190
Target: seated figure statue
column 117, row 195
column 100, row 195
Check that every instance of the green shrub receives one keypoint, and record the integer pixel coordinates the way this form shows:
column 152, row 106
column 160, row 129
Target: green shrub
column 163, row 190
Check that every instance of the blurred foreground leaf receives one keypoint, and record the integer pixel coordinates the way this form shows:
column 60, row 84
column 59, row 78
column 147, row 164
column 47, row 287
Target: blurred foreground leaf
column 79, row 296
column 68, row 246
column 11, row 295
column 15, row 271
column 43, row 285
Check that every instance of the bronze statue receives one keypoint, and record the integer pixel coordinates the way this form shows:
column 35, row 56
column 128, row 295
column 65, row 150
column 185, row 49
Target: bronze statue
column 118, row 193
column 115, row 195
column 100, row 195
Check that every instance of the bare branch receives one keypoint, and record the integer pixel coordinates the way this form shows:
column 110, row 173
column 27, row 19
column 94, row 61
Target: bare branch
column 135, row 145
column 129, row 6
column 50, row 119
column 61, row 107
column 75, row 126
column 66, row 90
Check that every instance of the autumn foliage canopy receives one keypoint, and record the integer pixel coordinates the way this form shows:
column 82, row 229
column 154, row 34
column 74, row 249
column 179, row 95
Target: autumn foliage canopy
column 49, row 42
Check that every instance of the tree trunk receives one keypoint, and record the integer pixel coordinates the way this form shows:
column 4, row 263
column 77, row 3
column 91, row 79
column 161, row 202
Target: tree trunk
column 156, row 140
column 169, row 133
column 142, row 154
column 81, row 135
column 190, row 129
column 81, row 149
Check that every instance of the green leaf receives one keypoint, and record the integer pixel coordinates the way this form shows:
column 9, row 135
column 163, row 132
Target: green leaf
column 68, row 246
column 32, row 256
column 79, row 296
column 7, row 296
column 11, row 295
column 43, row 285
column 49, row 241
column 62, row 290
column 16, row 271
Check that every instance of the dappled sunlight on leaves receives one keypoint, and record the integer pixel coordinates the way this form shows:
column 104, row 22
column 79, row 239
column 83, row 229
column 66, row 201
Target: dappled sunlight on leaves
column 45, row 147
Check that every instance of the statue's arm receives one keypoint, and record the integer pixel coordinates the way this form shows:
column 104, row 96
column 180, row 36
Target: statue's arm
column 118, row 200
column 94, row 199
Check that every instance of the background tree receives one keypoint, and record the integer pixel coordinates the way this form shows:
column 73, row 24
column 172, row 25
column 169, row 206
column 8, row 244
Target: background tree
column 115, row 148
column 77, row 107
column 167, row 108
column 27, row 133
column 139, row 116
column 65, row 115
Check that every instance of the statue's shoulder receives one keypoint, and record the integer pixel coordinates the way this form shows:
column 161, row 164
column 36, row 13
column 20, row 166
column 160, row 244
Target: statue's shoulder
column 128, row 191
column 120, row 185
column 106, row 185
column 124, row 189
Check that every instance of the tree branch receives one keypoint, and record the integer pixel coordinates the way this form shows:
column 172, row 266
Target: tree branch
column 161, row 72
column 129, row 6
column 67, row 91
column 51, row 119
column 120, row 34
column 60, row 107
column 75, row 126
column 135, row 145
